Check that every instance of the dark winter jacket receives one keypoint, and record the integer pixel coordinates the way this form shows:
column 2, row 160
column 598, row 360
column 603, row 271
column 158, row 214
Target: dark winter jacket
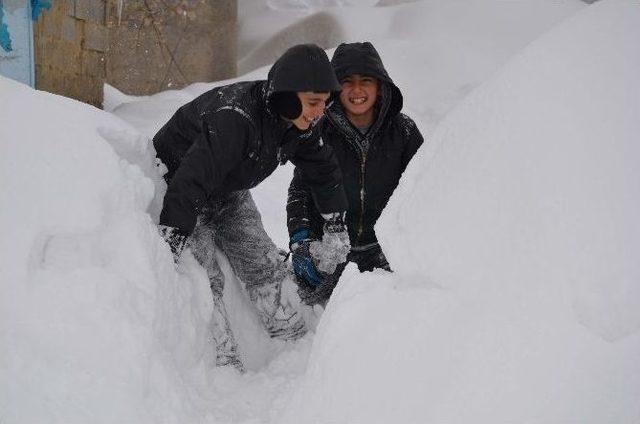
column 229, row 139
column 371, row 163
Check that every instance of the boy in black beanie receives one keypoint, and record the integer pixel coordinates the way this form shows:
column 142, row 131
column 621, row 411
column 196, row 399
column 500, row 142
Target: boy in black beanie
column 227, row 141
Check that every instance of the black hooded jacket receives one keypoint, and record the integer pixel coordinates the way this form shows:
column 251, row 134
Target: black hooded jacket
column 229, row 139
column 371, row 163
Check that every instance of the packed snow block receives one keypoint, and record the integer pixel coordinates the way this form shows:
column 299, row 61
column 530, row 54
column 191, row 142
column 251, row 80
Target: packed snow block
column 514, row 239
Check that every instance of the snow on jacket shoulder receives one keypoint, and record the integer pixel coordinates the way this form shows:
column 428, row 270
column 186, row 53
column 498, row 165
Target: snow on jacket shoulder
column 228, row 140
column 205, row 167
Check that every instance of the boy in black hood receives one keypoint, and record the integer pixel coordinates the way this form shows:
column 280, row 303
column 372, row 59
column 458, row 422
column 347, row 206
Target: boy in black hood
column 227, row 141
column 373, row 143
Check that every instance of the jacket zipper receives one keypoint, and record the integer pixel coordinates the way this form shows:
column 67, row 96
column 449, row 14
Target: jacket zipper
column 362, row 172
column 363, row 154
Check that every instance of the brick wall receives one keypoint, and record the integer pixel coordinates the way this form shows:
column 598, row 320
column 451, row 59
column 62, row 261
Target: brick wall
column 145, row 47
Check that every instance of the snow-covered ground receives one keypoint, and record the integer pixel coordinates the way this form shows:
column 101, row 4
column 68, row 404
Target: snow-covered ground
column 516, row 296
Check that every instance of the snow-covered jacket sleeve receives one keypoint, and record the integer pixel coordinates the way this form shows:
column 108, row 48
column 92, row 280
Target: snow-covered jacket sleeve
column 299, row 205
column 413, row 139
column 220, row 147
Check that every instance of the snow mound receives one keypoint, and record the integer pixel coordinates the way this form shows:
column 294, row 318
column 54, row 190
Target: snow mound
column 95, row 324
column 480, row 33
column 320, row 28
column 536, row 171
column 514, row 237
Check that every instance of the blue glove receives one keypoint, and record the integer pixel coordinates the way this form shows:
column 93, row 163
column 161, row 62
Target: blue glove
column 303, row 265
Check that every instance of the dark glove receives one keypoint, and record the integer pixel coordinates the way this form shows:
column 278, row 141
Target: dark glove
column 303, row 265
column 176, row 239
column 320, row 295
column 369, row 258
column 334, row 223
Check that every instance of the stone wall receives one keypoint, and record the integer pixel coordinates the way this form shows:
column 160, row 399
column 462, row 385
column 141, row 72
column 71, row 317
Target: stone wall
column 160, row 44
column 138, row 46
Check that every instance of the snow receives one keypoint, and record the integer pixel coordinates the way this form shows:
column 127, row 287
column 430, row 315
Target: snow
column 331, row 251
column 514, row 239
column 460, row 43
column 85, row 280
column 516, row 291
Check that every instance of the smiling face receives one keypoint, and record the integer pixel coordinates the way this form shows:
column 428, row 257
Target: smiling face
column 358, row 97
column 313, row 105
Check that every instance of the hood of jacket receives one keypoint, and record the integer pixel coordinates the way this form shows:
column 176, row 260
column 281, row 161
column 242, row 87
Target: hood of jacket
column 363, row 59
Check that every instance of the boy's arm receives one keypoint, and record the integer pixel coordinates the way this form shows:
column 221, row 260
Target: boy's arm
column 299, row 205
column 320, row 171
column 219, row 148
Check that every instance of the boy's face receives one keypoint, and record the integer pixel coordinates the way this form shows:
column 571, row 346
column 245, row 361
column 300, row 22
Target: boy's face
column 313, row 105
column 359, row 94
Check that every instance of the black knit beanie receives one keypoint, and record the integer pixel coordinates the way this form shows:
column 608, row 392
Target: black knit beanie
column 304, row 67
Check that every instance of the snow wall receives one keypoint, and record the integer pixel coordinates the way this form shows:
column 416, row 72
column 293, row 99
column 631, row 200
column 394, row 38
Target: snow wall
column 515, row 237
column 95, row 325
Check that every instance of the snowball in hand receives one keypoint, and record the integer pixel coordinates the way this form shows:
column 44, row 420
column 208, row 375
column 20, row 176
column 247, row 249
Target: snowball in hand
column 331, row 251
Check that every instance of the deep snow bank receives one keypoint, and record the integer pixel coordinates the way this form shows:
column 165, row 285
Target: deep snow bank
column 515, row 238
column 95, row 325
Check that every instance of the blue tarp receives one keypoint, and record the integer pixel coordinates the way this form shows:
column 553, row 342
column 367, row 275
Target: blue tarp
column 38, row 6
column 5, row 37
